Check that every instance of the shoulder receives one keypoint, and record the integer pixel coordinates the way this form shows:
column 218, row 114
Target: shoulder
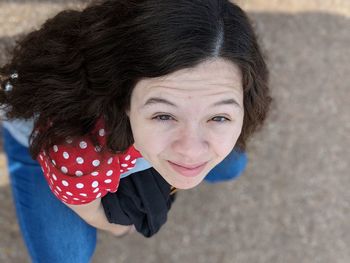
column 79, row 172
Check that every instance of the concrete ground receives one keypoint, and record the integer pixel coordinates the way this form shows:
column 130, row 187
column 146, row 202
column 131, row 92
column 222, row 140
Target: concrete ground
column 293, row 202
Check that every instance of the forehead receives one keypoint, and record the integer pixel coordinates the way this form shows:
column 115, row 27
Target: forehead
column 207, row 78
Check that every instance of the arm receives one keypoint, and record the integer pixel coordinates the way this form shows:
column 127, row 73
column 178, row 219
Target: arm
column 79, row 176
column 93, row 214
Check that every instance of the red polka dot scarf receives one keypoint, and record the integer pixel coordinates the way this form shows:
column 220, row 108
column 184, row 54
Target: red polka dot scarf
column 78, row 173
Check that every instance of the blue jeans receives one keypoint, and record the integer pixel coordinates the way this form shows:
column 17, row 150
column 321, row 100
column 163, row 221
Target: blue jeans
column 51, row 231
column 230, row 168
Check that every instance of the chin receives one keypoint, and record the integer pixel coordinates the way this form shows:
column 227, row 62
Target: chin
column 186, row 185
column 179, row 181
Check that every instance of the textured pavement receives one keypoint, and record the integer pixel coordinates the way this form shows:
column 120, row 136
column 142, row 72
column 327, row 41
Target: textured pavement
column 292, row 204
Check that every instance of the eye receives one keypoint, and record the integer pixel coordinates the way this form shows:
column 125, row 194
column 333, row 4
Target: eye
column 220, row 119
column 162, row 118
column 165, row 117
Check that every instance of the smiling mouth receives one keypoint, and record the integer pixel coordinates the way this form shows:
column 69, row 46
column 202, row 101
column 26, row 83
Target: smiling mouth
column 188, row 171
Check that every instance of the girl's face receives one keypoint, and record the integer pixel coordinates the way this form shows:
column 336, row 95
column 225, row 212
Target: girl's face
column 187, row 122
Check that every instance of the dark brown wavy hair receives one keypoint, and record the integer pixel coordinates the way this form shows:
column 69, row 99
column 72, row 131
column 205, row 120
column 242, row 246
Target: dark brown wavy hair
column 83, row 65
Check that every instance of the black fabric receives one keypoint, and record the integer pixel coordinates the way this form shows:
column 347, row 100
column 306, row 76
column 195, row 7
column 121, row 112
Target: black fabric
column 143, row 199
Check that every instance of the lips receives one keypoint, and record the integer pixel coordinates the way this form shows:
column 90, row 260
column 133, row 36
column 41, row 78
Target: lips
column 188, row 170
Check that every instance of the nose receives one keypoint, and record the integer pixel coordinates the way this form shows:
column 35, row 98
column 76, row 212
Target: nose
column 191, row 145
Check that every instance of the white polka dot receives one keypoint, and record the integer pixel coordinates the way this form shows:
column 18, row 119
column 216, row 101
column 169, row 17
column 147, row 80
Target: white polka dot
column 55, row 148
column 96, row 190
column 101, row 132
column 108, row 181
column 124, row 165
column 56, row 193
column 80, row 160
column 83, row 145
column 42, row 169
column 130, row 168
column 98, row 195
column 95, row 163
column 83, row 201
column 64, row 169
column 110, row 160
column 41, row 157
column 58, row 188
column 94, row 184
column 121, row 170
column 65, row 197
column 83, row 194
column 127, row 157
column 94, row 173
column 51, row 181
column 65, row 183
column 133, row 161
column 69, row 140
column 78, row 173
column 109, row 173
column 76, row 199
column 65, row 155
column 79, row 185
column 53, row 162
column 69, row 193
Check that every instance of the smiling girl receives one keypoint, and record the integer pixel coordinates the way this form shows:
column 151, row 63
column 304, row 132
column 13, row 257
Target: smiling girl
column 120, row 87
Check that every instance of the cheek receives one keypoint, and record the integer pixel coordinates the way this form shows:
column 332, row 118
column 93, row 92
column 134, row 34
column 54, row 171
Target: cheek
column 237, row 132
column 147, row 140
column 228, row 135
column 225, row 141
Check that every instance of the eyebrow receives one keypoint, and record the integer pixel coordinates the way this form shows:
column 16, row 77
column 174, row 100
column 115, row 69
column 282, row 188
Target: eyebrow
column 157, row 100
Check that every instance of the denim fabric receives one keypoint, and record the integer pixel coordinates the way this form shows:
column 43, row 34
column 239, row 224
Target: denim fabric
column 20, row 130
column 230, row 168
column 52, row 232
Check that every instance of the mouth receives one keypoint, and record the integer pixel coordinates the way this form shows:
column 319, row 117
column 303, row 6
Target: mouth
column 188, row 170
